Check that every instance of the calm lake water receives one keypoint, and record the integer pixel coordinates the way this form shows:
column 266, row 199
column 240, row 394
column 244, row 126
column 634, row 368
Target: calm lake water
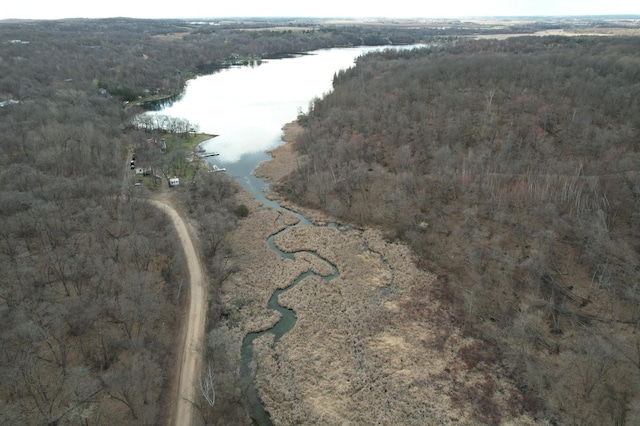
column 247, row 106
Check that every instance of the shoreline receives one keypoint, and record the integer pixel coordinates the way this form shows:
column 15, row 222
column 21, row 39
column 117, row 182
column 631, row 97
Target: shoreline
column 370, row 344
column 283, row 159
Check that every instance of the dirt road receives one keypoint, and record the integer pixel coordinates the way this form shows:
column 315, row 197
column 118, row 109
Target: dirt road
column 194, row 327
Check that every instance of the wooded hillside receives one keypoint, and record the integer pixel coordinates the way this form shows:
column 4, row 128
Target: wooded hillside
column 511, row 167
column 92, row 280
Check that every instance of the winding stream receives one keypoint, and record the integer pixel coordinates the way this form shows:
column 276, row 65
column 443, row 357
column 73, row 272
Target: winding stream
column 284, row 325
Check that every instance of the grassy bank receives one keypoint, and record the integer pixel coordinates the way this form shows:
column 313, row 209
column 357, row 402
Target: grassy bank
column 187, row 144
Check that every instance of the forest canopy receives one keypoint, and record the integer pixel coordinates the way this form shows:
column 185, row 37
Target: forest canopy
column 511, row 167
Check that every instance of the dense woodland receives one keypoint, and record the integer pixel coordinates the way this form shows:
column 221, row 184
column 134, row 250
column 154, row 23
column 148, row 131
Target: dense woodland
column 93, row 279
column 511, row 167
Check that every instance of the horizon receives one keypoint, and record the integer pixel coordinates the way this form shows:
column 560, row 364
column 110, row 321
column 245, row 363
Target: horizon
column 346, row 18
column 329, row 9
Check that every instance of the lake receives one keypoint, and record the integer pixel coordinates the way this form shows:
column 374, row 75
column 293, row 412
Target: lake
column 246, row 106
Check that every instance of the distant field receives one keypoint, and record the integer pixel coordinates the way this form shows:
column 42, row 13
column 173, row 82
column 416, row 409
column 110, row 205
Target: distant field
column 572, row 32
column 503, row 27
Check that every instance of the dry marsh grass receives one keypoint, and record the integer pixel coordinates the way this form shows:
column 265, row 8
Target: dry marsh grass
column 372, row 346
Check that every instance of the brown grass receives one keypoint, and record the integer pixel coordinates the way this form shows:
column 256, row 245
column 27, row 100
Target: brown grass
column 371, row 346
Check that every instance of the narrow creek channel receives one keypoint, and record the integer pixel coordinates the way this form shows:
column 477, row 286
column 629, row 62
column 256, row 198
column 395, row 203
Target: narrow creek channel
column 286, row 322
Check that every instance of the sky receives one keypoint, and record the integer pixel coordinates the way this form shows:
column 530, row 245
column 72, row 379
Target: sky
column 58, row 9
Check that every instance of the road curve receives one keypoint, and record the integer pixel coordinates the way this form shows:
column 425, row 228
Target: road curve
column 195, row 324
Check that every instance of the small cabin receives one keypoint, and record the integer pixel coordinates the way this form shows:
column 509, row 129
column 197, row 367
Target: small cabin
column 174, row 181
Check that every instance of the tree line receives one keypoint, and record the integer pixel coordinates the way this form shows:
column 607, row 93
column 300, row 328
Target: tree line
column 511, row 167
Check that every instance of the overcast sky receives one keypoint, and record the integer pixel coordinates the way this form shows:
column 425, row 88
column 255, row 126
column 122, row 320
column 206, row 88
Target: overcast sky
column 57, row 9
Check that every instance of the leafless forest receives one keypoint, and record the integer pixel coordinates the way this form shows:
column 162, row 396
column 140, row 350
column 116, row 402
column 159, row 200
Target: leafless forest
column 93, row 281
column 510, row 167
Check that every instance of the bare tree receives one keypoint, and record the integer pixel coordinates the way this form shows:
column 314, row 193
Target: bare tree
column 207, row 386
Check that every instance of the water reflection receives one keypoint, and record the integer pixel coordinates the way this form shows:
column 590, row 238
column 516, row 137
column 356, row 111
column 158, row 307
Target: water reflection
column 162, row 104
column 247, row 106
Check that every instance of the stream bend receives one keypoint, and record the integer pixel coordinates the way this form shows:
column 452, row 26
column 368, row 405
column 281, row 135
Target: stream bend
column 286, row 322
